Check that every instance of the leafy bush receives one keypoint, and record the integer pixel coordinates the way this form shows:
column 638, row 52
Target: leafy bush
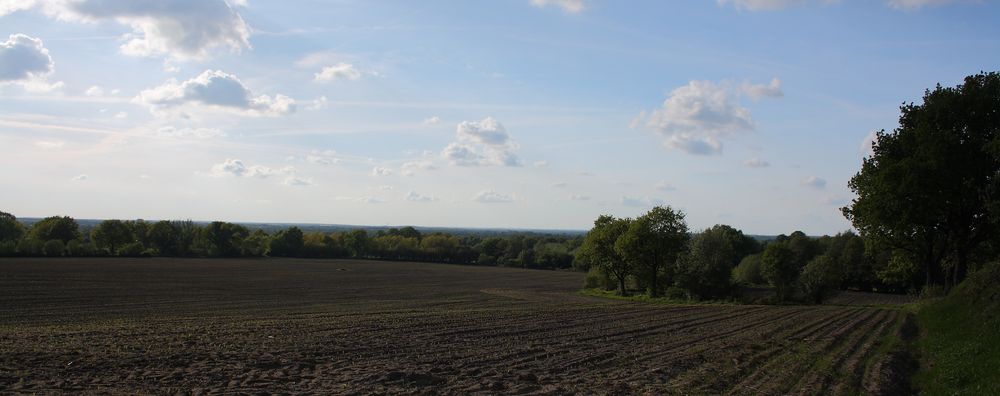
column 597, row 278
column 748, row 272
column 53, row 248
column 131, row 249
column 820, row 278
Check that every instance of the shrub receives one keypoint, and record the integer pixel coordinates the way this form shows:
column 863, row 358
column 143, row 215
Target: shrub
column 79, row 249
column 131, row 249
column 597, row 278
column 748, row 272
column 820, row 278
column 53, row 248
column 29, row 247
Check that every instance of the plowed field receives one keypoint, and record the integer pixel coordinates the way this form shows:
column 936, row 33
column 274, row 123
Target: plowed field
column 362, row 327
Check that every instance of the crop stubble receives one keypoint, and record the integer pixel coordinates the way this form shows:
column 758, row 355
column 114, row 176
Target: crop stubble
column 360, row 327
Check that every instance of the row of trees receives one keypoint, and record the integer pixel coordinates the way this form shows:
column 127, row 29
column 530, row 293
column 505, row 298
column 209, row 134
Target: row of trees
column 62, row 236
column 657, row 254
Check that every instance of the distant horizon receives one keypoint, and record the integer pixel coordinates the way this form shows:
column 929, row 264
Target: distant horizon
column 388, row 226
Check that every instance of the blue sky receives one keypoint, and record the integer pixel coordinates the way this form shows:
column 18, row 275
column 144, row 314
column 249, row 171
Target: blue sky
column 517, row 113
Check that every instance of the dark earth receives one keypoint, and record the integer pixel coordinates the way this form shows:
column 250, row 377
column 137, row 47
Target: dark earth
column 214, row 326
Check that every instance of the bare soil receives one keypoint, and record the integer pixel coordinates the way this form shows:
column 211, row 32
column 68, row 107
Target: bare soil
column 190, row 326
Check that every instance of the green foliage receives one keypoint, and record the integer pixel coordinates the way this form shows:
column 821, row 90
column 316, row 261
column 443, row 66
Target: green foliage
column 111, row 235
column 706, row 269
column 748, row 272
column 356, row 242
column 131, row 249
column 930, row 187
column 220, row 239
column 820, row 278
column 164, row 236
column 77, row 248
column 599, row 249
column 63, row 228
column 287, row 243
column 780, row 269
column 256, row 244
column 10, row 228
column 960, row 346
column 597, row 278
column 8, row 248
column 53, row 248
column 29, row 246
column 652, row 242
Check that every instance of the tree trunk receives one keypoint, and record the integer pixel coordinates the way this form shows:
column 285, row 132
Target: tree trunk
column 621, row 285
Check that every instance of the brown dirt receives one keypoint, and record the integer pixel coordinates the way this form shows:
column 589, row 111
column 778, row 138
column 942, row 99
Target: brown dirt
column 125, row 326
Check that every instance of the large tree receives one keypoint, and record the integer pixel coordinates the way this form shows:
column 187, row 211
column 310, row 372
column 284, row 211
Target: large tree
column 111, row 235
column 653, row 242
column 599, row 249
column 930, row 187
column 10, row 228
column 63, row 228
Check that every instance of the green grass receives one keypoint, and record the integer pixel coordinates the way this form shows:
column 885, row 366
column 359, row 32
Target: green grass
column 959, row 346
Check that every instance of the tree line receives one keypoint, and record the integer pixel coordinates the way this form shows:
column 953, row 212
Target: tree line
column 656, row 253
column 62, row 236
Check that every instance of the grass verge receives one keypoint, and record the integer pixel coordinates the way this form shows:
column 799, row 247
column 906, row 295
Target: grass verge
column 960, row 339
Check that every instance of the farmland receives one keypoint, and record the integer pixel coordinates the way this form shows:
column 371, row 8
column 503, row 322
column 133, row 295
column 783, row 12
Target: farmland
column 340, row 326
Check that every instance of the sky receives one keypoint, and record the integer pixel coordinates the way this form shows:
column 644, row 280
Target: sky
column 538, row 114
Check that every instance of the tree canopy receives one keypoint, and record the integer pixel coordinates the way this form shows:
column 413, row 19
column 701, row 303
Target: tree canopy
column 929, row 190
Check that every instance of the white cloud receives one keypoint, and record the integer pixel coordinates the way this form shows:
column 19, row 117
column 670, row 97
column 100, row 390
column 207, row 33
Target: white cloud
column 412, row 196
column 179, row 29
column 866, row 144
column 481, row 143
column 371, row 200
column 297, row 181
column 319, row 103
column 50, row 144
column 577, row 197
column 189, row 133
column 433, row 120
column 695, row 118
column 491, row 196
column 380, row 171
column 340, row 71
column 560, row 185
column 910, row 5
column 217, row 90
column 24, row 60
column 541, row 164
column 814, row 181
column 80, row 178
column 236, row 168
column 322, row 158
column 411, row 168
column 756, row 163
column 760, row 5
column 121, row 115
column 570, row 6
column 94, row 91
column 758, row 91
